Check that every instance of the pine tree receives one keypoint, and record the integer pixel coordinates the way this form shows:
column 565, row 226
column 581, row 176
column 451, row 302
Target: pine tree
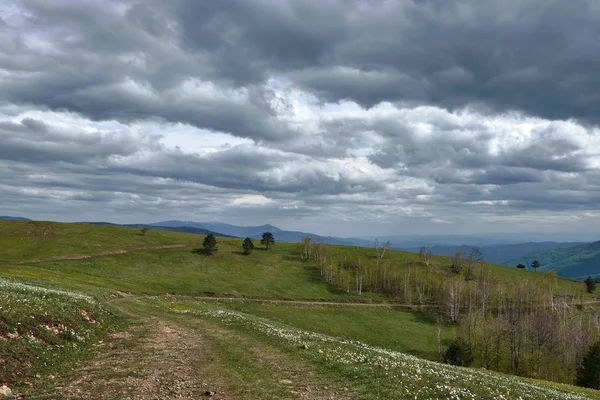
column 459, row 353
column 588, row 373
column 209, row 244
column 248, row 246
column 267, row 240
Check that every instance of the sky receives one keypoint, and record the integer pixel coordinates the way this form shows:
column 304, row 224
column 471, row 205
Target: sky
column 338, row 117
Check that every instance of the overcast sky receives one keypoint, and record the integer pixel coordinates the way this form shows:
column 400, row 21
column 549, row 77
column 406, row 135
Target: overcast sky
column 341, row 117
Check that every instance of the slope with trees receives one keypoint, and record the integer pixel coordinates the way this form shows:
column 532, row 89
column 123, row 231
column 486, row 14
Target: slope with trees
column 526, row 326
column 574, row 262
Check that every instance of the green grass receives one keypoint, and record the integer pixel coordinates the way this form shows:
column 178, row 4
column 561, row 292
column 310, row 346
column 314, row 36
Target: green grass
column 272, row 274
column 410, row 332
column 44, row 330
column 29, row 240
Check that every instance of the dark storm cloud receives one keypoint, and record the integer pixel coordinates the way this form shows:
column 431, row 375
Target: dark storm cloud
column 249, row 169
column 506, row 55
column 32, row 141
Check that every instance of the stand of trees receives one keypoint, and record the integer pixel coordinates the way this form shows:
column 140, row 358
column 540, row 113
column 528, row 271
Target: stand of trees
column 525, row 326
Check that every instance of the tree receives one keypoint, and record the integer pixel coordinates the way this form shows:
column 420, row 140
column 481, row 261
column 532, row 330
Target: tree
column 210, row 244
column 590, row 284
column 459, row 353
column 425, row 256
column 535, row 264
column 521, row 266
column 588, row 373
column 380, row 249
column 248, row 246
column 267, row 240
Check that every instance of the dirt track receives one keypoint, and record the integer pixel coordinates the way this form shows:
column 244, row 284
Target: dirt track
column 102, row 254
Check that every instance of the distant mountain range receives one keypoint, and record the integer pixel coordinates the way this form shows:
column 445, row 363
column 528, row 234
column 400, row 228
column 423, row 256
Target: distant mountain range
column 7, row 218
column 501, row 253
column 577, row 261
column 255, row 232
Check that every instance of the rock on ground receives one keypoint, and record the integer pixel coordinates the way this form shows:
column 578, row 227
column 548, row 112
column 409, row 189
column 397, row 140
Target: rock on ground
column 5, row 392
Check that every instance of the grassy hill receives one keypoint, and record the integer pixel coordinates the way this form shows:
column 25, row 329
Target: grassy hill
column 575, row 261
column 92, row 305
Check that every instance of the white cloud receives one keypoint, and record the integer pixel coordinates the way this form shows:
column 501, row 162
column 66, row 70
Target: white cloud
column 252, row 199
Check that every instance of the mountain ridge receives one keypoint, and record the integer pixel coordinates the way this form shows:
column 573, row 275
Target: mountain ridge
column 255, row 232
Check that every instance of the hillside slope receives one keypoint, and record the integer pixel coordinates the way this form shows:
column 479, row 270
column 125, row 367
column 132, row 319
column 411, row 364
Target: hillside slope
column 574, row 262
column 501, row 253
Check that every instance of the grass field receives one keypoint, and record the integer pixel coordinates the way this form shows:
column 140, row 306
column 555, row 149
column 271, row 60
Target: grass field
column 59, row 317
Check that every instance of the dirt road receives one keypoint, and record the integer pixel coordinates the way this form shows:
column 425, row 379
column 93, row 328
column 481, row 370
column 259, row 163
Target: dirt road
column 164, row 356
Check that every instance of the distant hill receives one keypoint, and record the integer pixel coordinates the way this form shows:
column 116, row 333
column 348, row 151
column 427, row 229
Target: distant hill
column 577, row 261
column 501, row 253
column 184, row 229
column 255, row 232
column 7, row 218
column 417, row 241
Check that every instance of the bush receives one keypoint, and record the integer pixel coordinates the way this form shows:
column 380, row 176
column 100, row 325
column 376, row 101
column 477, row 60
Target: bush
column 459, row 353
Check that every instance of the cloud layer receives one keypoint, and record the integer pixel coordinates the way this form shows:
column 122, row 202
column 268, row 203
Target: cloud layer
column 341, row 117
